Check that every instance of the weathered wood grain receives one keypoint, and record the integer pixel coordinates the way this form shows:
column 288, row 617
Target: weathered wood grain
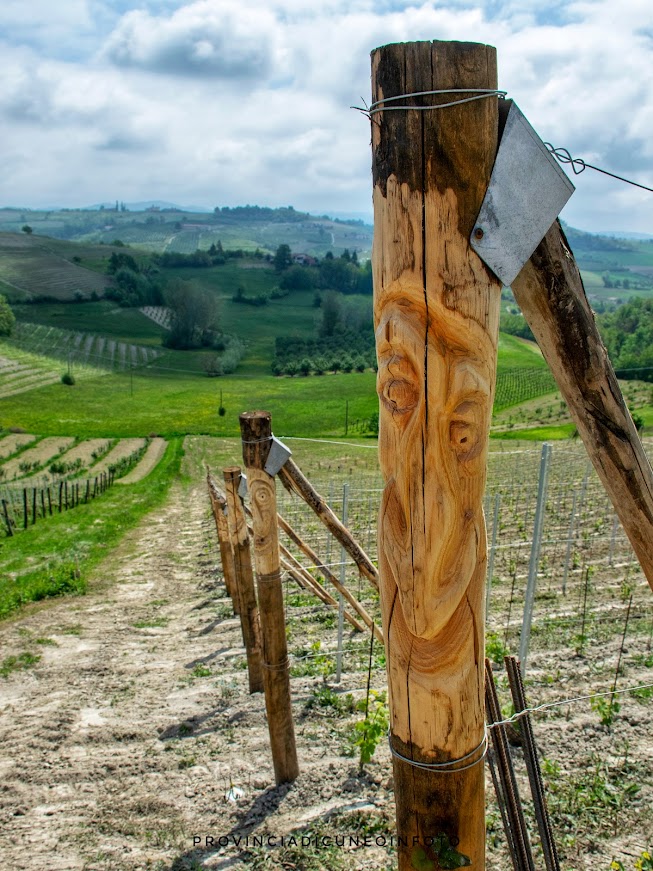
column 219, row 511
column 436, row 311
column 549, row 290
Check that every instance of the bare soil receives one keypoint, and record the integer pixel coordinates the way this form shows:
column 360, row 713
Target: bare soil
column 47, row 449
column 13, row 442
column 155, row 450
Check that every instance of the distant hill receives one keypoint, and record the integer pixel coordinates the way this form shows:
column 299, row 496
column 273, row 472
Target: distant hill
column 164, row 227
column 613, row 268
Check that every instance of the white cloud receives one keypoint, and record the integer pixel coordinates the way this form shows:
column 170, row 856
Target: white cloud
column 224, row 103
column 223, row 40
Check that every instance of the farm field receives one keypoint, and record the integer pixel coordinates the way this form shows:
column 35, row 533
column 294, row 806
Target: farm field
column 170, row 396
column 129, row 731
column 30, row 268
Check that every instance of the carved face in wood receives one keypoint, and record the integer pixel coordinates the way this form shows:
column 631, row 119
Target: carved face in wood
column 434, row 386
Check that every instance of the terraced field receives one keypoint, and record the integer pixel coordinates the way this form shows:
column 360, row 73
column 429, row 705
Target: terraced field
column 29, row 269
column 34, row 462
column 78, row 347
column 17, row 377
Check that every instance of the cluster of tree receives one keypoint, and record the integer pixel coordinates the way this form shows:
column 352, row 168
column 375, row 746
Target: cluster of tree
column 133, row 285
column 346, row 351
column 194, row 321
column 343, row 273
column 285, row 215
column 257, row 300
column 631, row 282
column 628, row 336
column 216, row 255
column 7, row 317
column 516, row 325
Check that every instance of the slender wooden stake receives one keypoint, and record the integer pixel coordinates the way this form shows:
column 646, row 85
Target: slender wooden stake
column 42, row 503
column 249, row 616
column 297, row 571
column 87, row 495
column 60, row 496
column 10, row 531
column 294, row 481
column 550, row 293
column 328, row 575
column 436, row 312
column 25, row 511
column 219, row 510
column 256, row 432
column 49, row 502
column 34, row 506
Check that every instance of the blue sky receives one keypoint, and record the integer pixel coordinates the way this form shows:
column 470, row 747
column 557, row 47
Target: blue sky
column 227, row 102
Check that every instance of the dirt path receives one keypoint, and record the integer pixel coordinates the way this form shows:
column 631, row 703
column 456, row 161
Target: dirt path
column 121, row 744
column 87, row 779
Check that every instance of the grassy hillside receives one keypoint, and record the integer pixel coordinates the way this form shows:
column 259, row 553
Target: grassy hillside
column 248, row 228
column 167, row 399
column 32, row 266
column 169, row 393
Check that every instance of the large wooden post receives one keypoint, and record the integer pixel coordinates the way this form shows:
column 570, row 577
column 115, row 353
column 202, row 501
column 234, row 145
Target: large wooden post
column 249, row 617
column 436, row 310
column 256, row 432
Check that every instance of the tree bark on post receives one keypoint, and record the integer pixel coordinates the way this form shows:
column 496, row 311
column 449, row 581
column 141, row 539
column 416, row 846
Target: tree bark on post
column 436, row 311
column 249, row 617
column 256, row 432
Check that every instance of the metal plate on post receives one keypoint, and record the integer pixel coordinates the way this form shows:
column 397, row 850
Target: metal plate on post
column 277, row 457
column 527, row 192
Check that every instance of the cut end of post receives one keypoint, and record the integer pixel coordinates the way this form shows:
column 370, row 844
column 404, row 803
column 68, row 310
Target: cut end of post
column 256, row 434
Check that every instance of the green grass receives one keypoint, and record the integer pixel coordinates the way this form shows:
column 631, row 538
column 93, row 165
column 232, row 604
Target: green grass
column 104, row 317
column 174, row 403
column 55, row 557
column 538, row 433
column 17, row 663
column 169, row 401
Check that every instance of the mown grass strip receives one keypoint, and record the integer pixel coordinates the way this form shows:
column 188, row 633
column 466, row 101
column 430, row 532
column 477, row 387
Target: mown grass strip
column 538, row 433
column 55, row 557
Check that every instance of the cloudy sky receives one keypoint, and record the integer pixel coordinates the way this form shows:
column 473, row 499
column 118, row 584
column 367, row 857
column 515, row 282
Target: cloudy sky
column 227, row 102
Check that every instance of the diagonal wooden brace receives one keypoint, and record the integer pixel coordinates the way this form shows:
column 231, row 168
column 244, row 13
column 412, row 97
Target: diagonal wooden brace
column 549, row 290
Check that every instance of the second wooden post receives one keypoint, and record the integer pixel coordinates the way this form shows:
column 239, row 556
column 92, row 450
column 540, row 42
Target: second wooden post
column 256, row 431
column 436, row 312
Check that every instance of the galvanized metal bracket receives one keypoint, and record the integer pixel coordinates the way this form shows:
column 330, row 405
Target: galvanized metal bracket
column 277, row 457
column 242, row 487
column 527, row 192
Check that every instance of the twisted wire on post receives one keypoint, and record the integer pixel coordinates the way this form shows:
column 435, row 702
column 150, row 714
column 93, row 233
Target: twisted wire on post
column 448, row 767
column 379, row 105
column 578, row 165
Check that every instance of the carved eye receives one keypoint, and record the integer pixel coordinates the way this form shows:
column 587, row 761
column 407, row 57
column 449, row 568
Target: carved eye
column 465, row 430
column 399, row 395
